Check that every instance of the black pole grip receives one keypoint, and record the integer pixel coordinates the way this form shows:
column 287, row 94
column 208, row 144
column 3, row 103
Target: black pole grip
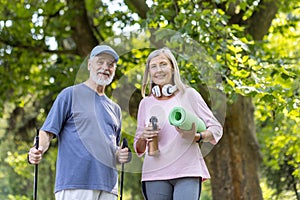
column 124, row 143
column 37, row 139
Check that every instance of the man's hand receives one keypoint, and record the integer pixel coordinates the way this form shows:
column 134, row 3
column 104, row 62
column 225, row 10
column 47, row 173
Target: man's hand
column 35, row 155
column 123, row 155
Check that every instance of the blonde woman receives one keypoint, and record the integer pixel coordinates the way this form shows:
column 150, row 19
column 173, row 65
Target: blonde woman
column 177, row 169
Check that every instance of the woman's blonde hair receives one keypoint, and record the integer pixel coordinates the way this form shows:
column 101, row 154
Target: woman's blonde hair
column 176, row 77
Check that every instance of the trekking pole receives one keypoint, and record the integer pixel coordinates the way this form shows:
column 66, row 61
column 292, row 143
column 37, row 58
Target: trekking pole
column 124, row 145
column 36, row 167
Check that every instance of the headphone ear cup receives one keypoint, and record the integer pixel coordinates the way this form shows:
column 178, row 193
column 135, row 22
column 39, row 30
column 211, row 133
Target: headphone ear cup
column 168, row 89
column 156, row 91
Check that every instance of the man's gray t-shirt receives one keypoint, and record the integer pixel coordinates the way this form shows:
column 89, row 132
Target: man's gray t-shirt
column 88, row 128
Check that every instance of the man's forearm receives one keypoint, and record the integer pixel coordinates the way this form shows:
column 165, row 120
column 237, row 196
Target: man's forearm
column 44, row 140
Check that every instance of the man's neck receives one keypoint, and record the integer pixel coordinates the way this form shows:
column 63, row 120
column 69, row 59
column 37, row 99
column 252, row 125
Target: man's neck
column 99, row 89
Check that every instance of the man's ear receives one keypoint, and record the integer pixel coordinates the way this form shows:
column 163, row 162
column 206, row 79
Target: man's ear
column 88, row 66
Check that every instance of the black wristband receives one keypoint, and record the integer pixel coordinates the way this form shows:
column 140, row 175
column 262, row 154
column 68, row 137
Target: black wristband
column 198, row 141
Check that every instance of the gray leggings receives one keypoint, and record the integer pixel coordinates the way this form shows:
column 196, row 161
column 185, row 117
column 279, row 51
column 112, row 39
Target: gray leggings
column 174, row 189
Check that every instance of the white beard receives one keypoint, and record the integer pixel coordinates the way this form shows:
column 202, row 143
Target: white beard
column 102, row 81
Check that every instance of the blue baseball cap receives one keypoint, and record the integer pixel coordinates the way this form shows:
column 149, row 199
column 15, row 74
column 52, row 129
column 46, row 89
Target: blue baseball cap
column 104, row 49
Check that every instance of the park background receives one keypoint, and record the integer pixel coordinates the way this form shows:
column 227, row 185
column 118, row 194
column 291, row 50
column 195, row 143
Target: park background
column 241, row 55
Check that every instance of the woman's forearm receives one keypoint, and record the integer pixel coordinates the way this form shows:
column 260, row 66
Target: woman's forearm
column 205, row 136
column 141, row 145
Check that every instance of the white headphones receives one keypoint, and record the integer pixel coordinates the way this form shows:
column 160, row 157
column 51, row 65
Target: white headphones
column 167, row 90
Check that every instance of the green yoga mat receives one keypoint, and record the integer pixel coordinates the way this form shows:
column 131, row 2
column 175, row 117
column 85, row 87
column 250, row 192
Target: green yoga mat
column 183, row 119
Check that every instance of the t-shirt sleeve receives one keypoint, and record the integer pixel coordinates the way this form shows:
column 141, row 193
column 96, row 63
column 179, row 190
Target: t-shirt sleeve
column 58, row 113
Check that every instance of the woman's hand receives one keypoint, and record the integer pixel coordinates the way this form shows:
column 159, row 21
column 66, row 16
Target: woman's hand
column 205, row 136
column 149, row 133
column 187, row 134
column 146, row 136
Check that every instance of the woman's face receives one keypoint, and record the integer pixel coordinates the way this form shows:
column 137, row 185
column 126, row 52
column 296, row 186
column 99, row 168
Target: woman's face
column 161, row 70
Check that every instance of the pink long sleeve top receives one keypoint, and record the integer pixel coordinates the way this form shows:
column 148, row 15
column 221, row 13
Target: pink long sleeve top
column 178, row 157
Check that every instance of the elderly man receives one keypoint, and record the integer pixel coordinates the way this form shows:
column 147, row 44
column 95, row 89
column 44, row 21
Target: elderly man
column 87, row 125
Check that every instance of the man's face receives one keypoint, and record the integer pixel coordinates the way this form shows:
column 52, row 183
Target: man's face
column 102, row 69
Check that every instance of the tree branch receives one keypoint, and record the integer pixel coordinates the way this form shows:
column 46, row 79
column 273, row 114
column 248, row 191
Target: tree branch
column 138, row 6
column 35, row 48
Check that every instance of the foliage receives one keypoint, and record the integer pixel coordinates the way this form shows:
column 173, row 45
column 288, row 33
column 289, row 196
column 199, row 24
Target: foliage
column 278, row 119
column 39, row 57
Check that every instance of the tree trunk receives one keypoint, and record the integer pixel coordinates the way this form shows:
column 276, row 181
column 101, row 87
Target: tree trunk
column 82, row 31
column 257, row 27
column 234, row 162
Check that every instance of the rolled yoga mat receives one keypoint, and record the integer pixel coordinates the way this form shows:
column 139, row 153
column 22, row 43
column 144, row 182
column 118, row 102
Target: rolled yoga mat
column 184, row 120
